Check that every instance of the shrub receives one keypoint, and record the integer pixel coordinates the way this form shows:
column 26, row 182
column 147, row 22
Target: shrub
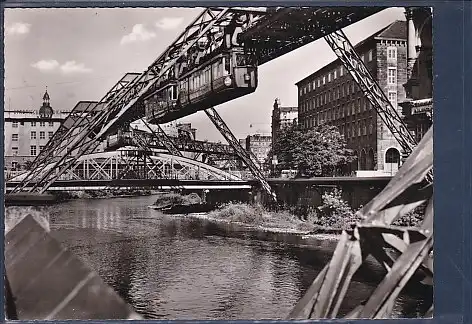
column 413, row 218
column 334, row 212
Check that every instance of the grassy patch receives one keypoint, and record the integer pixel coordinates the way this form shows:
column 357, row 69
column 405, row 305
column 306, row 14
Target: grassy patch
column 256, row 215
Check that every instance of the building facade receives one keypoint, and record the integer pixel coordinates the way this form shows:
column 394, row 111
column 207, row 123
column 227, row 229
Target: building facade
column 282, row 117
column 330, row 95
column 28, row 131
column 418, row 106
column 259, row 145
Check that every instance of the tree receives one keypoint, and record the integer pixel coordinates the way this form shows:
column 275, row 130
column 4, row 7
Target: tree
column 288, row 139
column 320, row 151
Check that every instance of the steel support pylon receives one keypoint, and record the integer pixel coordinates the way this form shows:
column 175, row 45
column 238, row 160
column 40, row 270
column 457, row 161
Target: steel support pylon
column 375, row 236
column 245, row 155
column 346, row 53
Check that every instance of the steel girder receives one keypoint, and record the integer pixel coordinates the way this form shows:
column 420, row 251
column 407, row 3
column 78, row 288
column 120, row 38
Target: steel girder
column 286, row 29
column 117, row 107
column 135, row 164
column 346, row 53
column 184, row 145
column 76, row 124
column 245, row 155
column 375, row 236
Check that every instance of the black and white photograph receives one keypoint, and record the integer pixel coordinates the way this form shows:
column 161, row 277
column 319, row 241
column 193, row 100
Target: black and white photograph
column 218, row 163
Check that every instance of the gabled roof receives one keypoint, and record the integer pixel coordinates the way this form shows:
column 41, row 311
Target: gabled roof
column 396, row 30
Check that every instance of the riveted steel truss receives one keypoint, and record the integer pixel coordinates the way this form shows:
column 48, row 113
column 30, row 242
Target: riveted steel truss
column 375, row 236
column 136, row 164
column 75, row 125
column 213, row 29
column 346, row 53
column 126, row 105
column 246, row 156
column 286, row 29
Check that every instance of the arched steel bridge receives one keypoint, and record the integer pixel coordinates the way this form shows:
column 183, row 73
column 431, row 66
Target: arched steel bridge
column 129, row 163
column 266, row 33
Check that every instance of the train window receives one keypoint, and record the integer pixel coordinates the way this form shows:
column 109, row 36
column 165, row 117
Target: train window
column 241, row 60
column 227, row 66
column 174, row 92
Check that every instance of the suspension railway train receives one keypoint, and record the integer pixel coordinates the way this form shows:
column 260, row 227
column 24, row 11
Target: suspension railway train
column 225, row 76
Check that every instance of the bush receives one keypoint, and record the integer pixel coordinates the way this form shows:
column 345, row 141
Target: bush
column 256, row 215
column 334, row 212
column 177, row 199
column 413, row 218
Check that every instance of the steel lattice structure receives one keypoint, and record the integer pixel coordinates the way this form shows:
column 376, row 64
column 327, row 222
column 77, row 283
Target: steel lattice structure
column 267, row 33
column 125, row 105
column 247, row 156
column 135, row 164
column 346, row 53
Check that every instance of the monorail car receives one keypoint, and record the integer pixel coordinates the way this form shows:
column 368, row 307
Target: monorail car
column 226, row 76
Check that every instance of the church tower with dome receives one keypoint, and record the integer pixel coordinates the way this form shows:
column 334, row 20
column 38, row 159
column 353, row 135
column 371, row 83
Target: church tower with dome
column 46, row 111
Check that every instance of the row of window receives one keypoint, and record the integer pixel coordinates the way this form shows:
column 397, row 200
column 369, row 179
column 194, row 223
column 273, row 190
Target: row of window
column 391, row 56
column 333, row 75
column 33, row 123
column 358, row 128
column 343, row 91
column 42, row 135
column 347, row 110
column 360, row 105
column 33, row 150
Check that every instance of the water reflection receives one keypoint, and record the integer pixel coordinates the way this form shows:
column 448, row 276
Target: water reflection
column 174, row 268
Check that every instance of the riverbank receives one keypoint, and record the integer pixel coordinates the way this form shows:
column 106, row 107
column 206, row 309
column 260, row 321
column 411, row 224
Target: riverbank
column 99, row 194
column 253, row 222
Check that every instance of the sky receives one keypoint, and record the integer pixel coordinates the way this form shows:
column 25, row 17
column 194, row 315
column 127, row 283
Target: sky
column 79, row 54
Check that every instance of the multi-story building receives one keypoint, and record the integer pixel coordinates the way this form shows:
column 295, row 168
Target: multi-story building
column 186, row 130
column 28, row 131
column 259, row 145
column 282, row 117
column 418, row 108
column 330, row 95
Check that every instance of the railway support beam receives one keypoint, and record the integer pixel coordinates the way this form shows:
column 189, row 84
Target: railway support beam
column 346, row 53
column 373, row 236
column 246, row 156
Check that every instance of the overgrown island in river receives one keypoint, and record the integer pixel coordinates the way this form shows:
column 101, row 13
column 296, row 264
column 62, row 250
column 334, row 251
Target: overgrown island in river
column 333, row 216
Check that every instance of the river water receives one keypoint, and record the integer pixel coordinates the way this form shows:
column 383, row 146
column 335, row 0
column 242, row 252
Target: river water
column 168, row 267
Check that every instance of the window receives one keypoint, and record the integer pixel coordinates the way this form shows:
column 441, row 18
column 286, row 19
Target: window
column 51, row 124
column 324, row 80
column 329, row 77
column 14, row 137
column 42, row 135
column 41, row 148
column 42, row 124
column 50, row 134
column 362, row 57
column 14, row 124
column 33, row 135
column 359, row 105
column 371, row 126
column 370, row 55
column 14, row 150
column 33, row 124
column 319, row 82
column 392, row 76
column 335, row 74
column 314, row 84
column 341, row 70
column 392, row 97
column 364, row 127
column 391, row 53
column 33, row 150
column 353, row 107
